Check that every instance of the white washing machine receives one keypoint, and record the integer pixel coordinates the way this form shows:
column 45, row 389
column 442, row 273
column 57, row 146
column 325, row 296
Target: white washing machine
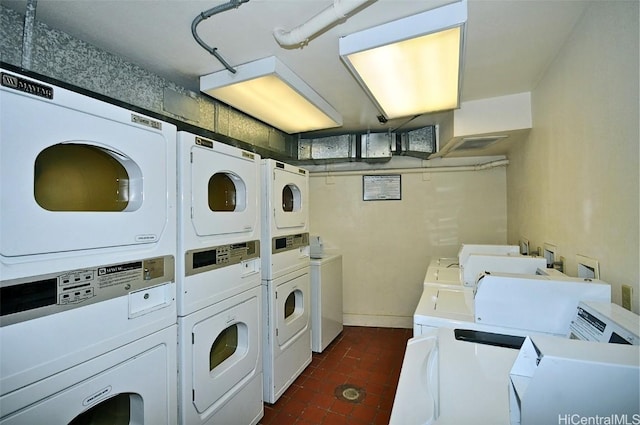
column 88, row 236
column 462, row 375
column 443, row 272
column 446, row 270
column 285, row 275
column 219, row 283
column 326, row 300
column 505, row 302
column 133, row 384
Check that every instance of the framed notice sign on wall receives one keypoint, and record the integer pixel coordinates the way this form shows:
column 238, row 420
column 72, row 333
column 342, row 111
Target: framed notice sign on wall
column 386, row 187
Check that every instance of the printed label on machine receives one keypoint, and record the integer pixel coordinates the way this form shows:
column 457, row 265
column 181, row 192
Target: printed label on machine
column 587, row 327
column 119, row 274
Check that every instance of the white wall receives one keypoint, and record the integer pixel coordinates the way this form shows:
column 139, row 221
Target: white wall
column 386, row 245
column 574, row 183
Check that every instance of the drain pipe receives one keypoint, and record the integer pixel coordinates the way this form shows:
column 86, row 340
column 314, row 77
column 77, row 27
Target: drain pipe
column 300, row 35
column 233, row 4
column 27, row 33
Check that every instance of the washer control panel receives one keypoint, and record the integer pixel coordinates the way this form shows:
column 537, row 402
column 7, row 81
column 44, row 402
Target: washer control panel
column 28, row 298
column 207, row 259
column 289, row 242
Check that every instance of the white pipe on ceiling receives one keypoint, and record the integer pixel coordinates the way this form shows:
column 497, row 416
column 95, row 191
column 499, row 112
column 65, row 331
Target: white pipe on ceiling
column 300, row 35
column 409, row 170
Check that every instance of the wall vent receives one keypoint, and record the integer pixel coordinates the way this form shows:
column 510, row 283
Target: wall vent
column 472, row 143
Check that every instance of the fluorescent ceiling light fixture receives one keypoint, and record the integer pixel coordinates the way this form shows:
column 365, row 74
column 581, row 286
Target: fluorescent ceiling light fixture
column 269, row 91
column 410, row 66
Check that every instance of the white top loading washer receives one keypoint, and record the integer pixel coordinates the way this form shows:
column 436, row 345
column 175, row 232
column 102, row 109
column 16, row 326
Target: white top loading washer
column 95, row 184
column 445, row 380
column 477, row 264
column 555, row 380
column 448, row 271
column 443, row 271
column 468, row 249
column 326, row 300
column 460, row 376
column 508, row 302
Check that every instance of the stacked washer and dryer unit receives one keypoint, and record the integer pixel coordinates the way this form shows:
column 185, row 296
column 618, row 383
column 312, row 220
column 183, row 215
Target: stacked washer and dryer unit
column 219, row 283
column 285, row 275
column 88, row 311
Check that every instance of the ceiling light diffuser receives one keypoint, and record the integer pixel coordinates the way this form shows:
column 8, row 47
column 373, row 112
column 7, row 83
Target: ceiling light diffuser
column 269, row 91
column 413, row 65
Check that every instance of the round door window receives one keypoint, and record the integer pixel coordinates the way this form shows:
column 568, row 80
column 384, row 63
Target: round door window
column 121, row 409
column 293, row 305
column 291, row 198
column 223, row 347
column 81, row 177
column 226, row 192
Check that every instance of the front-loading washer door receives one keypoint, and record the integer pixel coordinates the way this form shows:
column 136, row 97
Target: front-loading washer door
column 226, row 350
column 224, row 189
column 290, row 198
column 78, row 174
column 293, row 308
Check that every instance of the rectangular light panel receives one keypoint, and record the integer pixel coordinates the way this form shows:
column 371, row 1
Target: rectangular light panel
column 269, row 91
column 413, row 65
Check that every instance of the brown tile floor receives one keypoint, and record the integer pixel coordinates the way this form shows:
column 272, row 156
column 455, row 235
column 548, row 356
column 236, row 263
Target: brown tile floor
column 368, row 358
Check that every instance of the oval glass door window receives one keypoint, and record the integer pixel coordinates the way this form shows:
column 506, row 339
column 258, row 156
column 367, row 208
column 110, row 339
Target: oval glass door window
column 227, row 192
column 223, row 347
column 81, row 177
column 293, row 305
column 116, row 410
column 291, row 198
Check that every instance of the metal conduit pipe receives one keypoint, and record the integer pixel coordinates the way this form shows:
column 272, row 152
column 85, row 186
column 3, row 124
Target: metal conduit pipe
column 233, row 4
column 27, row 33
column 300, row 35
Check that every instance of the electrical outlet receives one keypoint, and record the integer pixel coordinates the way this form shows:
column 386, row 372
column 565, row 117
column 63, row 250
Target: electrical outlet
column 627, row 296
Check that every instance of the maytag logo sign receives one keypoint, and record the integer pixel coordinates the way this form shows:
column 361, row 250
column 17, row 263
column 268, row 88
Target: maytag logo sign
column 26, row 86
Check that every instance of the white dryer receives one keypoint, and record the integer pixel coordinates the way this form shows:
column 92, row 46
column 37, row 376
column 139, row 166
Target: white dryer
column 88, row 236
column 135, row 383
column 94, row 184
column 219, row 283
column 285, row 275
column 48, row 326
column 218, row 221
column 220, row 361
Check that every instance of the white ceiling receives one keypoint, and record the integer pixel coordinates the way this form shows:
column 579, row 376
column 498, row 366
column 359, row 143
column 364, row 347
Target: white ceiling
column 509, row 43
